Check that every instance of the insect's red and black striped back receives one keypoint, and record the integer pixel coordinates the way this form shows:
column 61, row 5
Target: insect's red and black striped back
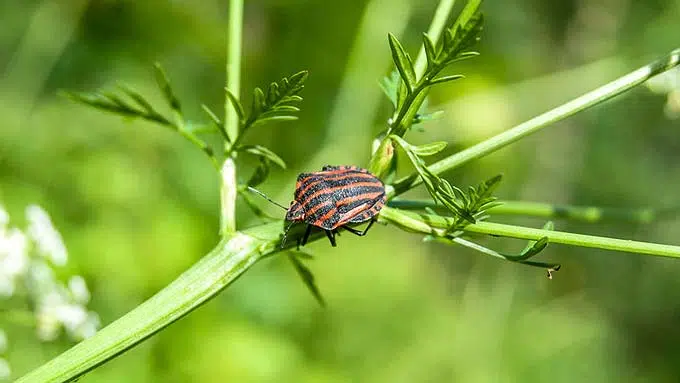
column 335, row 196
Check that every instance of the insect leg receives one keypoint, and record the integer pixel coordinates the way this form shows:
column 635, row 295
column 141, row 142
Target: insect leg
column 331, row 237
column 306, row 236
column 357, row 232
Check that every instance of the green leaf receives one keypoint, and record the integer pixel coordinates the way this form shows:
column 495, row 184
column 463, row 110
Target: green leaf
column 422, row 117
column 521, row 259
column 465, row 37
column 390, row 86
column 211, row 115
column 470, row 11
column 272, row 93
column 307, row 278
column 298, row 78
column 443, row 79
column 259, row 102
column 439, row 189
column 403, row 63
column 164, row 84
column 429, row 149
column 462, row 56
column 261, row 151
column 261, row 173
column 137, row 98
column 265, row 120
column 294, row 98
column 430, row 51
column 235, row 103
column 276, row 103
column 490, row 185
column 113, row 104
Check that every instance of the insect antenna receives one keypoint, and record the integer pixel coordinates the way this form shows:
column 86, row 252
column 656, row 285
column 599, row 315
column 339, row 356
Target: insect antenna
column 252, row 189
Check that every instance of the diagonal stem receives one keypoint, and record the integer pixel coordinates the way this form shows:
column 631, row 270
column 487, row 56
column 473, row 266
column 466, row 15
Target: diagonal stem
column 537, row 123
column 437, row 226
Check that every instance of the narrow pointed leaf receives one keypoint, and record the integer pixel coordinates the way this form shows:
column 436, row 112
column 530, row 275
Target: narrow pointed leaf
column 470, row 10
column 429, row 149
column 308, row 279
column 164, row 84
column 258, row 102
column 430, row 52
column 261, row 151
column 298, row 78
column 422, row 117
column 272, row 93
column 213, row 117
column 293, row 98
column 264, row 120
column 403, row 63
column 461, row 57
column 261, row 173
column 390, row 86
column 285, row 108
column 137, row 98
column 235, row 103
column 443, row 79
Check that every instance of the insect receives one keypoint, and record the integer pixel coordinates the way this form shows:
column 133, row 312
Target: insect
column 334, row 198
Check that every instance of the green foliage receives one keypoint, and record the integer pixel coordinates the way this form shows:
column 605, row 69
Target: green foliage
column 276, row 105
column 457, row 208
column 531, row 249
column 440, row 189
column 409, row 96
column 305, row 274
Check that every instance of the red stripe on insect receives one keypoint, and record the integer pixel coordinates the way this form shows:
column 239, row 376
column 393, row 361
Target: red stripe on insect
column 334, row 190
column 306, row 183
column 316, row 208
column 348, row 200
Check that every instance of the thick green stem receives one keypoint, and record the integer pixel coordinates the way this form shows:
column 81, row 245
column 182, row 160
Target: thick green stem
column 230, row 258
column 534, row 125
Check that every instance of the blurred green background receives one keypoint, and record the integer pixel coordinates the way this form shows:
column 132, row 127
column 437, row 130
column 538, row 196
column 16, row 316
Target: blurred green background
column 137, row 205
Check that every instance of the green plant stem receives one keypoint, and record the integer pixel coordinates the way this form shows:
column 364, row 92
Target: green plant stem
column 228, row 185
column 606, row 243
column 537, row 123
column 381, row 158
column 234, row 42
column 403, row 116
column 230, row 258
column 228, row 194
column 437, row 225
column 590, row 214
column 439, row 20
column 236, row 253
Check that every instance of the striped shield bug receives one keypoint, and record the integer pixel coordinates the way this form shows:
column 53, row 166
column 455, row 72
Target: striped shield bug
column 334, row 198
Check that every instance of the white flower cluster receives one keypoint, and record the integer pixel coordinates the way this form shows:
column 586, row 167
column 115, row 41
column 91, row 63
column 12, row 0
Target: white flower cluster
column 28, row 260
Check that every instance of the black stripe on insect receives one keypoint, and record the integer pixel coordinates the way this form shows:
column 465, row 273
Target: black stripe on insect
column 332, row 199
